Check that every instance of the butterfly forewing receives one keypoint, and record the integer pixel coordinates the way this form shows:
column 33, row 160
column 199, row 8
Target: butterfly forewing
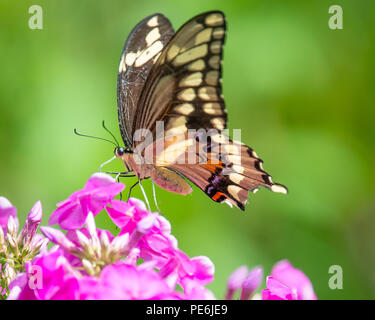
column 142, row 48
column 184, row 86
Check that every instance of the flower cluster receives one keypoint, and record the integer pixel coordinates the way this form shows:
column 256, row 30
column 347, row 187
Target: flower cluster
column 143, row 261
column 17, row 249
column 284, row 283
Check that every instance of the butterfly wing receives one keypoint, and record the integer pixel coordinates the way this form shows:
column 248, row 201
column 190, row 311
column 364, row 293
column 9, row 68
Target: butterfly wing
column 225, row 170
column 142, row 47
column 184, row 86
column 230, row 182
column 183, row 89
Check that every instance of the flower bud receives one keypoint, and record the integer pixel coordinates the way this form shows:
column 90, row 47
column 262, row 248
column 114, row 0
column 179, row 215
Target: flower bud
column 2, row 237
column 104, row 240
column 82, row 239
column 251, row 283
column 12, row 242
column 12, row 227
column 119, row 243
column 88, row 267
column 235, row 281
column 9, row 273
column 31, row 224
column 57, row 237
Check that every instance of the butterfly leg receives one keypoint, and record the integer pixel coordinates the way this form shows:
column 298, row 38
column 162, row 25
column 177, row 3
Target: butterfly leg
column 144, row 195
column 131, row 188
column 118, row 180
column 122, row 174
column 154, row 193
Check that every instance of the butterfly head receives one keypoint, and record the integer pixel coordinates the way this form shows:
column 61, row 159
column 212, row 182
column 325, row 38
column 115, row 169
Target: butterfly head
column 120, row 151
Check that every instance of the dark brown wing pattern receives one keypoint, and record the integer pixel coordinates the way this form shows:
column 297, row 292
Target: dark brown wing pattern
column 142, row 48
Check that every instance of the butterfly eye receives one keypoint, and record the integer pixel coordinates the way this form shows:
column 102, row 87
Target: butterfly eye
column 119, row 151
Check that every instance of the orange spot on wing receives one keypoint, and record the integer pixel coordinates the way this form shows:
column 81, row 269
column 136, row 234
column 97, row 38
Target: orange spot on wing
column 212, row 167
column 217, row 196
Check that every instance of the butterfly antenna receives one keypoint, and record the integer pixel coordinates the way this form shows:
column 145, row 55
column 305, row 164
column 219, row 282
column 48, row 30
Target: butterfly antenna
column 84, row 135
column 106, row 129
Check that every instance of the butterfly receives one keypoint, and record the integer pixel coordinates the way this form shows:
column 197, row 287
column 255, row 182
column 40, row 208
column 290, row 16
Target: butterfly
column 174, row 79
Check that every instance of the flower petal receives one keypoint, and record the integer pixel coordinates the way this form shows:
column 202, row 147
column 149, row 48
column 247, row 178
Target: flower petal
column 6, row 210
column 295, row 279
column 251, row 283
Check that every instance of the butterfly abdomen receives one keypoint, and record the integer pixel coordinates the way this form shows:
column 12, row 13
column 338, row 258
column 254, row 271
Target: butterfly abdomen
column 170, row 181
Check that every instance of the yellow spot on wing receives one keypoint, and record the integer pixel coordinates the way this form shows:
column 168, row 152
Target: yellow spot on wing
column 130, row 58
column 196, row 65
column 149, row 53
column 212, row 77
column 152, row 36
column 279, row 188
column 190, row 55
column 214, row 19
column 218, row 123
column 212, row 108
column 194, row 80
column 122, row 66
column 218, row 33
column 203, row 36
column 236, row 178
column 235, row 191
column 186, row 94
column 153, row 22
column 185, row 108
column 173, row 52
column 176, row 126
column 207, row 93
column 214, row 62
column 215, row 47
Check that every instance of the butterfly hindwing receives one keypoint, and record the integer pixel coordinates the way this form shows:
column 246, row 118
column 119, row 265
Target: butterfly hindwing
column 142, row 48
column 225, row 170
column 230, row 171
column 184, row 87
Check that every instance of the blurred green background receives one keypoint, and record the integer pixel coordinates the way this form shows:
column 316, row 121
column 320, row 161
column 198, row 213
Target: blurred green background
column 302, row 94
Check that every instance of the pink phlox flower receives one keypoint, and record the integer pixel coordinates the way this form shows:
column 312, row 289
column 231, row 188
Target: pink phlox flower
column 99, row 190
column 47, row 277
column 288, row 283
column 6, row 210
column 123, row 281
column 247, row 281
column 72, row 235
column 127, row 215
column 193, row 290
column 151, row 234
column 198, row 269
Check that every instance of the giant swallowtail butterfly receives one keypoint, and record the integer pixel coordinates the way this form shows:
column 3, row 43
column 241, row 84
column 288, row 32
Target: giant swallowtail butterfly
column 176, row 78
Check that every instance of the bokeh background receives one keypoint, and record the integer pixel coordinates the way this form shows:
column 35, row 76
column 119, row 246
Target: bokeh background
column 302, row 94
